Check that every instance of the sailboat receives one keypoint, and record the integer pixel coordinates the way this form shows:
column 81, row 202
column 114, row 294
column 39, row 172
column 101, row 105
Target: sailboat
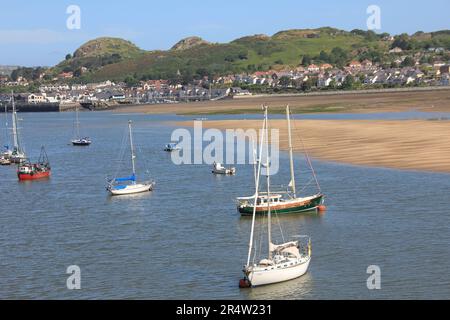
column 18, row 154
column 6, row 153
column 77, row 140
column 34, row 171
column 284, row 261
column 118, row 187
column 284, row 202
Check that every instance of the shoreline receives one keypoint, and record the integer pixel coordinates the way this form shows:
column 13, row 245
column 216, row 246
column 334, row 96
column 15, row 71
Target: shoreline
column 345, row 102
column 418, row 145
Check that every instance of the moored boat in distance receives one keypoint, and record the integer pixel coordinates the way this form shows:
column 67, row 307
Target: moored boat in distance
column 17, row 155
column 118, row 186
column 171, row 147
column 218, row 168
column 283, row 202
column 34, row 171
column 77, row 140
column 4, row 161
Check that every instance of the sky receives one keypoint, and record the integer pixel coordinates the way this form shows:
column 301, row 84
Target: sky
column 35, row 33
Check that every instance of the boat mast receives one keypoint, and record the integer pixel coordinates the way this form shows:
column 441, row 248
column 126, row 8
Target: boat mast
column 6, row 124
column 250, row 245
column 132, row 149
column 291, row 152
column 14, row 123
column 269, row 214
column 77, row 123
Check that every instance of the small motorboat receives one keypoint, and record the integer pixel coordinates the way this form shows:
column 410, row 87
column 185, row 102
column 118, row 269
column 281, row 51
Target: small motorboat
column 82, row 142
column 171, row 147
column 4, row 161
column 218, row 168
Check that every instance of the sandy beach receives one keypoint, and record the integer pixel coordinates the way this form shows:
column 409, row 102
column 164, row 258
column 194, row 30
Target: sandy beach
column 429, row 101
column 412, row 145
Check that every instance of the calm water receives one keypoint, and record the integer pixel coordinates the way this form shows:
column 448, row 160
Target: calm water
column 185, row 239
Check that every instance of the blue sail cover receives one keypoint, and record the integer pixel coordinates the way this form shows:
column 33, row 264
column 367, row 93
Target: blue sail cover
column 131, row 178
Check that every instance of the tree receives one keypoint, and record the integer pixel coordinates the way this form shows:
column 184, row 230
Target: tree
column 285, row 81
column 408, row 62
column 403, row 42
column 306, row 60
column 68, row 56
column 323, row 56
column 130, row 81
column 348, row 82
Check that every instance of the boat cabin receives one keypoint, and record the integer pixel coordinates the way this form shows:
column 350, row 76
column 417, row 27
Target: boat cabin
column 272, row 199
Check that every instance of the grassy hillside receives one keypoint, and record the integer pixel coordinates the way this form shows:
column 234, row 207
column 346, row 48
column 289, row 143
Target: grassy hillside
column 116, row 59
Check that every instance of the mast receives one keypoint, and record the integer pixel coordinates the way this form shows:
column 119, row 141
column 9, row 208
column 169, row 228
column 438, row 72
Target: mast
column 291, row 152
column 6, row 124
column 77, row 124
column 269, row 214
column 250, row 245
column 14, row 123
column 132, row 149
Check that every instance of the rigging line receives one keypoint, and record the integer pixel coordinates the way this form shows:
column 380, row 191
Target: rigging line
column 121, row 152
column 307, row 157
column 279, row 225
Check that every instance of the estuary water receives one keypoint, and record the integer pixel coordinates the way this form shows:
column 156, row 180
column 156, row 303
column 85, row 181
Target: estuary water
column 185, row 239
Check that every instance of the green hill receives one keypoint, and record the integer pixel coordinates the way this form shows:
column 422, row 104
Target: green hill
column 117, row 59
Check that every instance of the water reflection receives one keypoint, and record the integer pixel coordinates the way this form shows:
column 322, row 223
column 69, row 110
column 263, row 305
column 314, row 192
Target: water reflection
column 299, row 288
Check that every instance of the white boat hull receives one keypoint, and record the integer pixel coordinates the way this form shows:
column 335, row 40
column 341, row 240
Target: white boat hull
column 132, row 189
column 260, row 276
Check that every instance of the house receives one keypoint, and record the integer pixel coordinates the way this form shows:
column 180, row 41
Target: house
column 313, row 68
column 355, row 64
column 325, row 66
column 35, row 98
column 54, row 97
column 367, row 64
column 396, row 50
column 236, row 91
column 445, row 69
column 65, row 75
column 445, row 80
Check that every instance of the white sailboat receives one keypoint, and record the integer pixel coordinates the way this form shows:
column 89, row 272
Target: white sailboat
column 284, row 261
column 78, row 140
column 118, row 187
column 6, row 153
column 18, row 154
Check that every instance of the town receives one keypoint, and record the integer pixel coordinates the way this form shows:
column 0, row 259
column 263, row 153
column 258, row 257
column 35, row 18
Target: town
column 426, row 68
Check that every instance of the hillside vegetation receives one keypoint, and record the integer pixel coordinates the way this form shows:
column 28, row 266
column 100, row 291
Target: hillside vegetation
column 193, row 58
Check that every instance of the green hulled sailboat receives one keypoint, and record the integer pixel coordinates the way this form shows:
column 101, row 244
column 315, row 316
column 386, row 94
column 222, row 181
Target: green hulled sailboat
column 282, row 202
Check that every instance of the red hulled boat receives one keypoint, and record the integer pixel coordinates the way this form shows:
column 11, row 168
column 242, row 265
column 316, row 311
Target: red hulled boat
column 34, row 171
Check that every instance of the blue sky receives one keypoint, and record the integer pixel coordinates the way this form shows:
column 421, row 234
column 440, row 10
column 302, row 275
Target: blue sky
column 35, row 33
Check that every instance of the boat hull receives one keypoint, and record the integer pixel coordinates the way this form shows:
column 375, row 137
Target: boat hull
column 33, row 176
column 262, row 277
column 288, row 207
column 131, row 189
column 81, row 144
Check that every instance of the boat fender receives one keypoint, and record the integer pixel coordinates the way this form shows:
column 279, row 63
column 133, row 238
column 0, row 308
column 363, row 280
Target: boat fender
column 244, row 283
column 321, row 208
